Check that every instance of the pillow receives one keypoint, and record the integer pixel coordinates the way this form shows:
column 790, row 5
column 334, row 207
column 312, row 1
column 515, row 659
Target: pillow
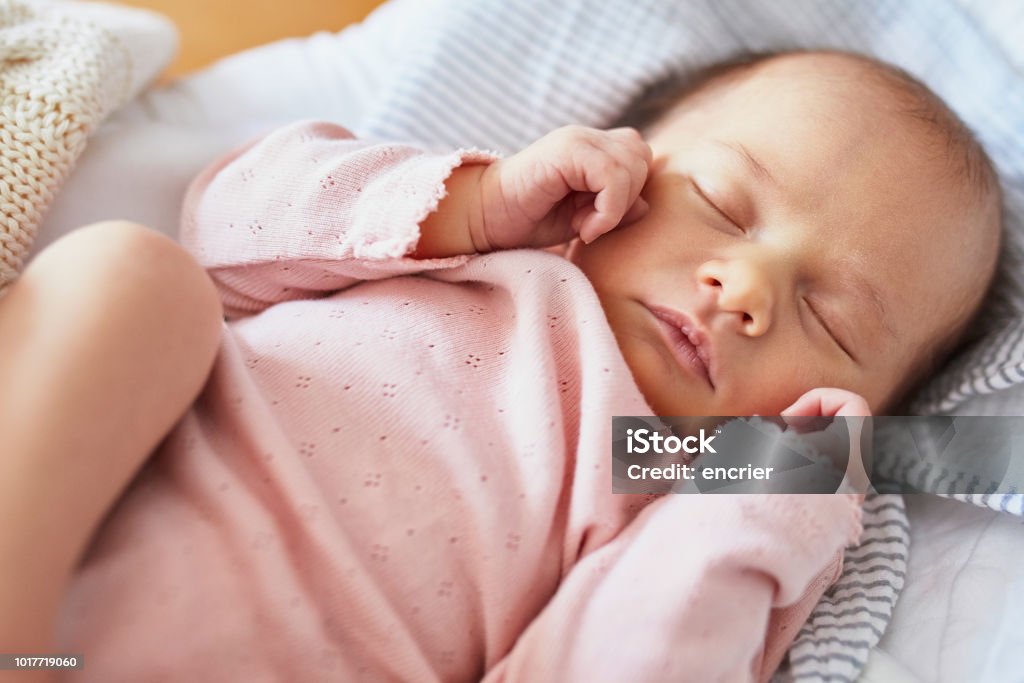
column 63, row 68
column 1000, row 20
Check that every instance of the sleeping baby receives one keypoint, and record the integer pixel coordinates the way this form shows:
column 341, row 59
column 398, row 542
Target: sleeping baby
column 399, row 468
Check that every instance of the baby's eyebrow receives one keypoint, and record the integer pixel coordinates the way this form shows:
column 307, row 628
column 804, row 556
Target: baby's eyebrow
column 757, row 169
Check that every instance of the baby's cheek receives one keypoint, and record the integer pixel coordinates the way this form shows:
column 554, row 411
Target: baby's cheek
column 659, row 383
column 777, row 380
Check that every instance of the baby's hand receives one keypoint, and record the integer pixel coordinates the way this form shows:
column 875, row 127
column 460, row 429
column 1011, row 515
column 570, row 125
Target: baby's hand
column 828, row 403
column 574, row 180
column 838, row 403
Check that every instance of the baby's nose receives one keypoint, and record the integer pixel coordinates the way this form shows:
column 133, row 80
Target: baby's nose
column 741, row 290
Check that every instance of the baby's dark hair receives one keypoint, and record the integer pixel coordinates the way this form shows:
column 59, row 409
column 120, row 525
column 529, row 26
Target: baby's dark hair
column 967, row 163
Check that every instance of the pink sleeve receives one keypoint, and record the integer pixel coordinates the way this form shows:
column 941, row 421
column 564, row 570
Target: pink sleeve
column 309, row 209
column 686, row 592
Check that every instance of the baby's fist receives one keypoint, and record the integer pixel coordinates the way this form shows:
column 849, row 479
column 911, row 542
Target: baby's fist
column 574, row 180
column 828, row 402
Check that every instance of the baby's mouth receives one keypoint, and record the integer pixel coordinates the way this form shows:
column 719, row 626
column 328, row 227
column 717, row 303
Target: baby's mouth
column 688, row 343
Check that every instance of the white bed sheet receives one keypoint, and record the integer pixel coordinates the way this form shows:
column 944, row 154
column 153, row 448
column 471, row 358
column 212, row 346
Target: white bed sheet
column 961, row 614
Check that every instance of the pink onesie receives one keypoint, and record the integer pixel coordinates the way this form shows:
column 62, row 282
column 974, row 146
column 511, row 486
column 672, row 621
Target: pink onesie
column 399, row 469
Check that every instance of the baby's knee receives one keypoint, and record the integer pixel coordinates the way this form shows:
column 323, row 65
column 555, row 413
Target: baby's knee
column 128, row 265
column 111, row 250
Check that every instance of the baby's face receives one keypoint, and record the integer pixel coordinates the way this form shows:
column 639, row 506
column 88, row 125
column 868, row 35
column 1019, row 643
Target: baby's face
column 801, row 237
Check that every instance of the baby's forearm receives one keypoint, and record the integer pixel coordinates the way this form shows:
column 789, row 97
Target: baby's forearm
column 448, row 231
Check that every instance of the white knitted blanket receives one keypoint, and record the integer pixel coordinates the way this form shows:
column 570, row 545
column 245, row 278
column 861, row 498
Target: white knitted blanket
column 64, row 66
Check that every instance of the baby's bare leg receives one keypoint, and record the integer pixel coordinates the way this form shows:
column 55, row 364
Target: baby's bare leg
column 105, row 340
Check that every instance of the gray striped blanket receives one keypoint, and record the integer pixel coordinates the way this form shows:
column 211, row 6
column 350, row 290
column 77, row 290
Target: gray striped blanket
column 499, row 74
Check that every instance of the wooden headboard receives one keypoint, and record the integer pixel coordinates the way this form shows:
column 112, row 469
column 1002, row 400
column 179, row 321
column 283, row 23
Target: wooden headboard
column 210, row 29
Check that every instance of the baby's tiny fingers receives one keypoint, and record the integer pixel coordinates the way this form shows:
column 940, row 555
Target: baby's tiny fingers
column 633, row 154
column 612, row 201
column 829, row 402
column 628, row 132
column 581, row 217
column 632, row 138
column 856, row 407
column 636, row 212
column 802, row 424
